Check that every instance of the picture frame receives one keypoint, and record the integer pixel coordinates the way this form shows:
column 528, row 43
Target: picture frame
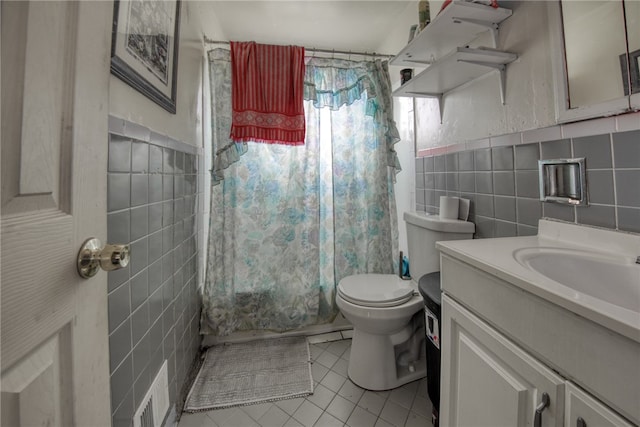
column 632, row 73
column 144, row 48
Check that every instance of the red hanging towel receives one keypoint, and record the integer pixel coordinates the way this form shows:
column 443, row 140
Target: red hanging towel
column 266, row 85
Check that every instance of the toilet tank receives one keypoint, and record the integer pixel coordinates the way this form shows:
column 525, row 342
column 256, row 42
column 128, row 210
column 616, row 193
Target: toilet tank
column 423, row 231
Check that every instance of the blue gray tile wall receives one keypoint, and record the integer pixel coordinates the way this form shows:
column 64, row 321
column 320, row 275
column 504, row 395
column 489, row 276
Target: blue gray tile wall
column 502, row 184
column 153, row 304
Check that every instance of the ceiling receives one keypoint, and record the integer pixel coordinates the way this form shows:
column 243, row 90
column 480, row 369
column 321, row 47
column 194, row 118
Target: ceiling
column 350, row 25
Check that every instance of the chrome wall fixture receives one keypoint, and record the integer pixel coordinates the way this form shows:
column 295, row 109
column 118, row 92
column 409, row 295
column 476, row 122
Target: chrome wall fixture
column 563, row 181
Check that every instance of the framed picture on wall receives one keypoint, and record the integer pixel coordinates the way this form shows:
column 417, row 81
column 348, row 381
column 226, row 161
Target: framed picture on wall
column 144, row 48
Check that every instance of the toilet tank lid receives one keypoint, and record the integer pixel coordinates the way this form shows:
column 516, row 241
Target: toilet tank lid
column 435, row 223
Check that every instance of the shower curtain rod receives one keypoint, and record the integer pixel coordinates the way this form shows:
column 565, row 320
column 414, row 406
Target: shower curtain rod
column 313, row 49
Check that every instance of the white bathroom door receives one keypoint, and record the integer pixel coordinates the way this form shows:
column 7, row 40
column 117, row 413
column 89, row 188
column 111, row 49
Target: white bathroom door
column 55, row 97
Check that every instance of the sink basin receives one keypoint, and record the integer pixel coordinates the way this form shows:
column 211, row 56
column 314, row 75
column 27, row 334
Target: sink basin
column 609, row 278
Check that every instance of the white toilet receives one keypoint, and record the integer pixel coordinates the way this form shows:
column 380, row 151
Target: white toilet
column 388, row 348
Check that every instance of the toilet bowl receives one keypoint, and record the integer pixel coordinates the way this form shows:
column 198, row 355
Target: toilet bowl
column 381, row 307
column 380, row 303
column 388, row 347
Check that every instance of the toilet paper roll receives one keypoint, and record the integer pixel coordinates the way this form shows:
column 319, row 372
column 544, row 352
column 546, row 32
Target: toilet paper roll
column 449, row 207
column 463, row 209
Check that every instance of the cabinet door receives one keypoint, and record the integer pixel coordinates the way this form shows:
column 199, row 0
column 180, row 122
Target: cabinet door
column 583, row 410
column 489, row 381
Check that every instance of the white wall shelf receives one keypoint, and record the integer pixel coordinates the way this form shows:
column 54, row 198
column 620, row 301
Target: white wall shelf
column 458, row 24
column 459, row 67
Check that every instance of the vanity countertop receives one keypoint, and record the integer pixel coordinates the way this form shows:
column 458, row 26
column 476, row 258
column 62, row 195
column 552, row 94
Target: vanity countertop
column 499, row 257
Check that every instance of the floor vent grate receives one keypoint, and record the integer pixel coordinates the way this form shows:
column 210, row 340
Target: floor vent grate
column 155, row 404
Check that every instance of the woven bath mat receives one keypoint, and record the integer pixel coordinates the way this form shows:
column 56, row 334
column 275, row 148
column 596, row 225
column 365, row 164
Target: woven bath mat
column 252, row 372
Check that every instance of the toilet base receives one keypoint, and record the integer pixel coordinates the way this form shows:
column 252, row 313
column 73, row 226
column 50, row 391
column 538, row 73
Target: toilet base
column 372, row 362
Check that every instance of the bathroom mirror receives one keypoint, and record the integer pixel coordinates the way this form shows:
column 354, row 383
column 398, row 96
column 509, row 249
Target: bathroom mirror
column 632, row 12
column 594, row 39
column 590, row 64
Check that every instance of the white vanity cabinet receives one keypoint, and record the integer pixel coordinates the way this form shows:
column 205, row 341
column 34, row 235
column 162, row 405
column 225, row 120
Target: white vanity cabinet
column 503, row 347
column 489, row 381
column 582, row 410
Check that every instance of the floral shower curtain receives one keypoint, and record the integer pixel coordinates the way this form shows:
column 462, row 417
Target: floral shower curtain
column 288, row 222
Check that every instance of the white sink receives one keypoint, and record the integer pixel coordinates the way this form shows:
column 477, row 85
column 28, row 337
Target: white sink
column 591, row 272
column 605, row 276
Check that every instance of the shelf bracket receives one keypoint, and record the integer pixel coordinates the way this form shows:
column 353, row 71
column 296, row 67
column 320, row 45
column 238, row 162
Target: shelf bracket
column 418, row 63
column 491, row 26
column 503, row 75
column 424, row 94
column 503, row 84
column 484, row 64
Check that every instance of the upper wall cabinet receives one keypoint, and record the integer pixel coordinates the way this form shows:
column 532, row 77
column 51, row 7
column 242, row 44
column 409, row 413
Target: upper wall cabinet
column 597, row 49
column 441, row 47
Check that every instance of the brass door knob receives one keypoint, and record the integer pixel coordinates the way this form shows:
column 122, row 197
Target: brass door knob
column 93, row 256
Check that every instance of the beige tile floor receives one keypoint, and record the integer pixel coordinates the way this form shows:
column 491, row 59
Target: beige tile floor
column 336, row 401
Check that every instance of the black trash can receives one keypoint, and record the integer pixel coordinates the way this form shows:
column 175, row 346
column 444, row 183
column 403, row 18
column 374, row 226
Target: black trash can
column 429, row 286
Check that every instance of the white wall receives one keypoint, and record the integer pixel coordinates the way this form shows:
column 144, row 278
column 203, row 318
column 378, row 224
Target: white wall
column 405, row 181
column 191, row 123
column 186, row 124
column 211, row 29
column 474, row 110
column 403, row 115
column 398, row 36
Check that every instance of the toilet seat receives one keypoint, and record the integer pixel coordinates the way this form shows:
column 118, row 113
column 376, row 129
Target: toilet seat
column 375, row 290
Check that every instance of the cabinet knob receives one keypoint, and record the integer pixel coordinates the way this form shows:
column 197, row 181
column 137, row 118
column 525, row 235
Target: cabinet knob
column 544, row 403
column 580, row 422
